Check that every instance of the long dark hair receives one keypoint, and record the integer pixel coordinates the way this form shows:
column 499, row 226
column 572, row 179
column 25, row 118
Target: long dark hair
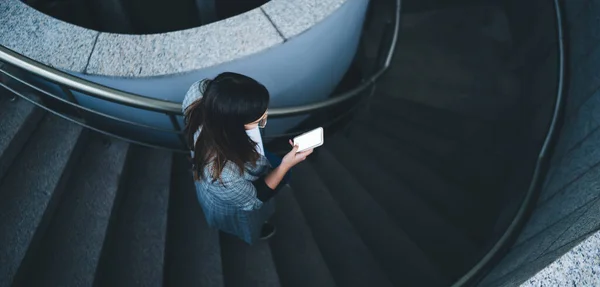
column 229, row 102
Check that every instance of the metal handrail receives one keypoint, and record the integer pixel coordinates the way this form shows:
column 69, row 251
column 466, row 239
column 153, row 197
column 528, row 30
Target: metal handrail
column 88, row 87
column 75, row 105
column 85, row 125
column 174, row 108
column 528, row 202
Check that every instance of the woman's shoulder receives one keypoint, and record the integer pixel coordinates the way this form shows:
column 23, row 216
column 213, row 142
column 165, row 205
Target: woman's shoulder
column 193, row 94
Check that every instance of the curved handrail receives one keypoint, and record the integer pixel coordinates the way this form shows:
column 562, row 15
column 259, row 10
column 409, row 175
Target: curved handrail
column 515, row 224
column 354, row 92
column 67, row 118
column 88, row 87
column 174, row 108
column 72, row 104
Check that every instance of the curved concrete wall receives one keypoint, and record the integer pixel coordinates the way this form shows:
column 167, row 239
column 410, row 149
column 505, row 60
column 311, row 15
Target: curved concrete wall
column 568, row 208
column 303, row 69
column 300, row 50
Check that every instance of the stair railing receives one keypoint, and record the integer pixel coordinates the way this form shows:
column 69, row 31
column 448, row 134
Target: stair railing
column 493, row 256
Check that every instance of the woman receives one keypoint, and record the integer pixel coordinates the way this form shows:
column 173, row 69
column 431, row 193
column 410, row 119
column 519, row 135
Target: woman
column 234, row 179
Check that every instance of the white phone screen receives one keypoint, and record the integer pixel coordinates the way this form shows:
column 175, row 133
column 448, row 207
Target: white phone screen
column 309, row 140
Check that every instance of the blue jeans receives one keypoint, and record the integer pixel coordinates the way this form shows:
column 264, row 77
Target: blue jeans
column 275, row 162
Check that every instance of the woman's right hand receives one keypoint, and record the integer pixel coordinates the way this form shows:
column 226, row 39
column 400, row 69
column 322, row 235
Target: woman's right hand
column 294, row 157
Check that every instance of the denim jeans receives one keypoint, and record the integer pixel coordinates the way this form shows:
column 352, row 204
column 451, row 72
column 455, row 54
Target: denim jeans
column 275, row 162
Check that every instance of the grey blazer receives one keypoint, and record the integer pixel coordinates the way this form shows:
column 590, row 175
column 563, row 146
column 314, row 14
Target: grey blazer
column 232, row 205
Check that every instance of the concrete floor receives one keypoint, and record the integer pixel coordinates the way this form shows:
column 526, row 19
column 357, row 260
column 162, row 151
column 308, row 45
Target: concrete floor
column 578, row 267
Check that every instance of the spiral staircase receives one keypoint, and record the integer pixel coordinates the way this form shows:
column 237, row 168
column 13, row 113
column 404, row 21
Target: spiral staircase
column 409, row 192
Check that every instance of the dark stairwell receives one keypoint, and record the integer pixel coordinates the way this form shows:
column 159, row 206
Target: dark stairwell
column 408, row 193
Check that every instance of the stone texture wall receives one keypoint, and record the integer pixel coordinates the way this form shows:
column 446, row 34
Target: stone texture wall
column 568, row 208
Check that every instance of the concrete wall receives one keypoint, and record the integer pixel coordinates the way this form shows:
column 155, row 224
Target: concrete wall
column 568, row 208
column 299, row 49
column 304, row 69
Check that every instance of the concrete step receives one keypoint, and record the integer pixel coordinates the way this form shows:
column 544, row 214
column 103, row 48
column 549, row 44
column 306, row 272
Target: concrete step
column 32, row 188
column 134, row 249
column 456, row 60
column 402, row 260
column 193, row 248
column 247, row 266
column 469, row 162
column 428, row 118
column 413, row 135
column 448, row 199
column 18, row 119
column 404, row 206
column 71, row 248
column 476, row 161
column 486, row 156
column 349, row 259
column 297, row 256
column 430, row 161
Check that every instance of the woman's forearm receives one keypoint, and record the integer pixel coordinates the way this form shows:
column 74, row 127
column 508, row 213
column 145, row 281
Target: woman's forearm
column 275, row 176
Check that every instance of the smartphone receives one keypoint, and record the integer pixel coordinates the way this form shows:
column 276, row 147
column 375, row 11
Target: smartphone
column 308, row 140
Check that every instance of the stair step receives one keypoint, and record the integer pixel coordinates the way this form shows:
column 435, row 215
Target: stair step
column 350, row 261
column 447, row 59
column 428, row 160
column 450, row 125
column 71, row 248
column 460, row 161
column 401, row 259
column 247, row 266
column 470, row 163
column 193, row 248
column 475, row 162
column 486, row 156
column 448, row 199
column 297, row 257
column 404, row 206
column 18, row 119
column 134, row 249
column 32, row 188
column 411, row 134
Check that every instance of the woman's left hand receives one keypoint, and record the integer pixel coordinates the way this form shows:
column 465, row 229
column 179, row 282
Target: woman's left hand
column 294, row 157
